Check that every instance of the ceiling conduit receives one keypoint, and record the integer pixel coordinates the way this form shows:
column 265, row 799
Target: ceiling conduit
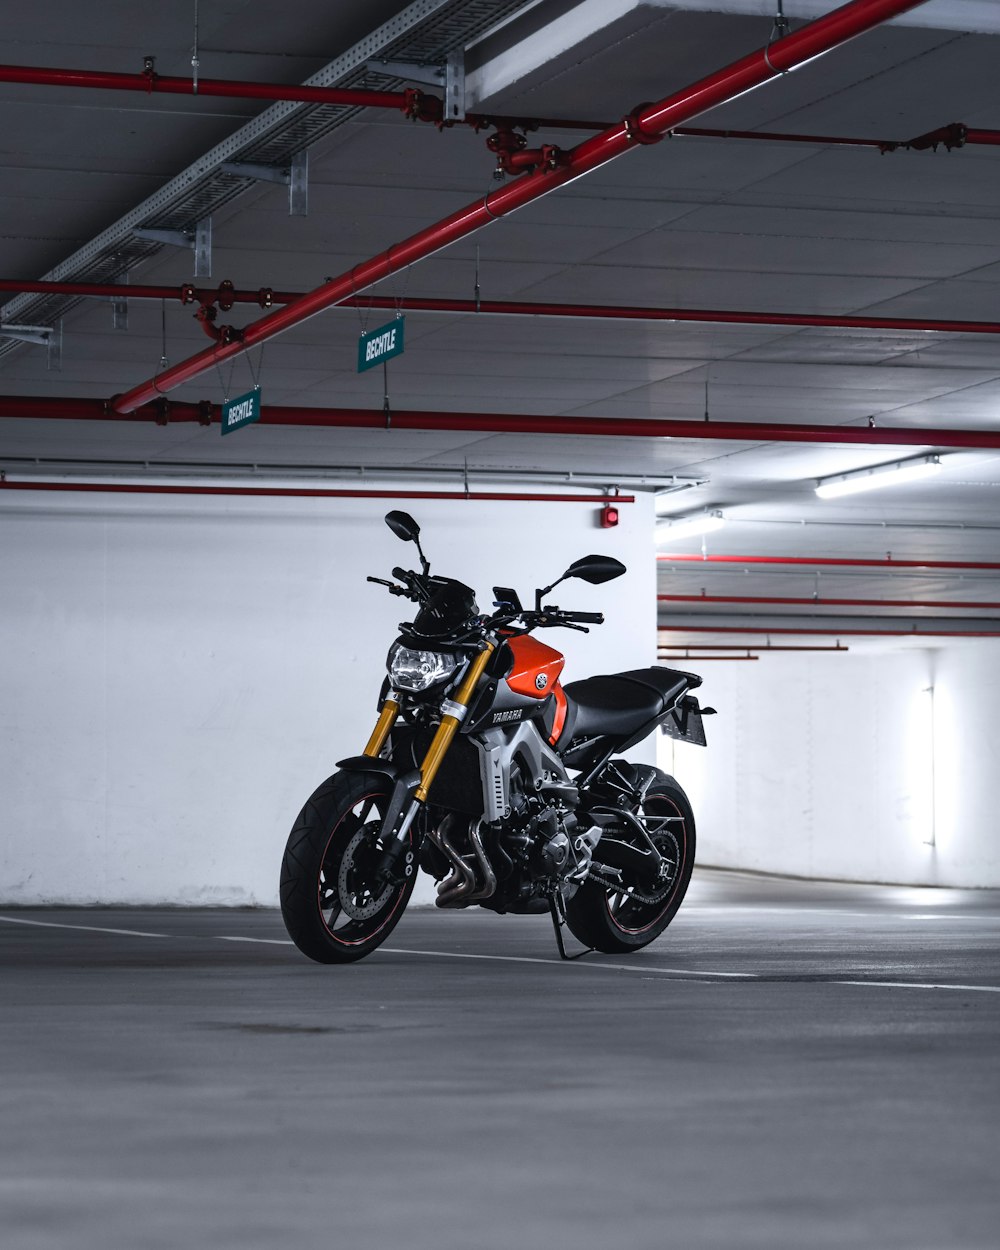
column 644, row 126
column 265, row 297
column 206, row 413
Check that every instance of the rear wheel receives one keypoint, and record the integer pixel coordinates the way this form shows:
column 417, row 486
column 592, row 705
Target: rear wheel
column 634, row 912
column 334, row 907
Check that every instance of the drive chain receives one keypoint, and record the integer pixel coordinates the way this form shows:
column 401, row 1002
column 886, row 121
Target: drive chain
column 619, row 887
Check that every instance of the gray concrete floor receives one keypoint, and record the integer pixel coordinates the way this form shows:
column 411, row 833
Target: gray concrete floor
column 790, row 1065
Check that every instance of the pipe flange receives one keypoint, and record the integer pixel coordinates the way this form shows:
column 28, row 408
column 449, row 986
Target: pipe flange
column 633, row 127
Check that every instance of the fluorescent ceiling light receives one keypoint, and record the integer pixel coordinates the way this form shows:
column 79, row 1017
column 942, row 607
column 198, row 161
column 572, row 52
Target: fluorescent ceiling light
column 689, row 526
column 877, row 476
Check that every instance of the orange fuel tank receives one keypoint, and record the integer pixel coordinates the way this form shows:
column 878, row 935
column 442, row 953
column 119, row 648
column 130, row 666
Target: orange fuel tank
column 536, row 675
column 536, row 667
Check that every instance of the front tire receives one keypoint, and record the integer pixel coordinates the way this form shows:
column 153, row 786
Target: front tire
column 616, row 921
column 333, row 907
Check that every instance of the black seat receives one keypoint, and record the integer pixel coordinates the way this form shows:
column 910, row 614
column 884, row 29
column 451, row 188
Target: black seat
column 619, row 704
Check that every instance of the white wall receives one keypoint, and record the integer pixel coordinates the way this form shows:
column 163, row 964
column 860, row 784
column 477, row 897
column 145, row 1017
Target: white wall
column 178, row 674
column 844, row 766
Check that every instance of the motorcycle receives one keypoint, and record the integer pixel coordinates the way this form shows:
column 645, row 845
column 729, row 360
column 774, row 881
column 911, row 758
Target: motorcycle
column 489, row 774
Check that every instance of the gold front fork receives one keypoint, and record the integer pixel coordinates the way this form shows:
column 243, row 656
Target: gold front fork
column 450, row 722
column 385, row 722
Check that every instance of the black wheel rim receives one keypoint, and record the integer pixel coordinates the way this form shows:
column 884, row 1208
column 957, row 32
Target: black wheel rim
column 635, row 911
column 352, row 907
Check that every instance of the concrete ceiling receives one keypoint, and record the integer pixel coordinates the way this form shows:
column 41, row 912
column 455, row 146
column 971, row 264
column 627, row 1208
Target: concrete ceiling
column 699, row 223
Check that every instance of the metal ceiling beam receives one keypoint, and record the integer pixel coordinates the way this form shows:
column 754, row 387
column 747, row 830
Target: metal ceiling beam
column 206, row 413
column 265, row 297
column 555, row 169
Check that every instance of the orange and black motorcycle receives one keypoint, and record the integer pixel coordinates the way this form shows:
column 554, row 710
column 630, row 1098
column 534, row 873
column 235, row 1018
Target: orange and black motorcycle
column 489, row 774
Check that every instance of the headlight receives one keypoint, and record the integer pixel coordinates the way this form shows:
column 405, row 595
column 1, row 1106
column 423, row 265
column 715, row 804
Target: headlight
column 419, row 670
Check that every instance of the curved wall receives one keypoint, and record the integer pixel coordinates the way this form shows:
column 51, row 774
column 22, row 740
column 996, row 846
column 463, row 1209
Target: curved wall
column 860, row 766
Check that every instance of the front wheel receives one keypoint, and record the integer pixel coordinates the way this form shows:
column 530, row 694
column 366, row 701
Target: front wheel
column 335, row 908
column 626, row 916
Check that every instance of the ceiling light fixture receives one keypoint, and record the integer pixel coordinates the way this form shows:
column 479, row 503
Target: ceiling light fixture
column 877, row 476
column 689, row 526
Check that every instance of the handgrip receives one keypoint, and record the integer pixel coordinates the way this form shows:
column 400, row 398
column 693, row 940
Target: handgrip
column 586, row 618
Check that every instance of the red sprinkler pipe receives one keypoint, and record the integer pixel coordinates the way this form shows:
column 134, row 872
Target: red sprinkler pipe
column 644, row 126
column 265, row 298
column 150, row 81
column 832, row 633
column 423, row 107
column 142, row 488
column 762, row 646
column 415, row 103
column 703, row 659
column 205, row 413
column 887, row 562
column 818, row 602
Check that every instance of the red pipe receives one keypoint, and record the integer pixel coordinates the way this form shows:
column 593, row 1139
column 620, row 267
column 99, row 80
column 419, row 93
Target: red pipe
column 832, row 633
column 34, row 406
column 124, row 488
column 415, row 103
column 264, row 297
column 764, row 646
column 46, row 76
column 422, row 108
column 702, row 659
column 885, row 562
column 817, row 602
column 955, row 135
column 775, row 136
column 645, row 125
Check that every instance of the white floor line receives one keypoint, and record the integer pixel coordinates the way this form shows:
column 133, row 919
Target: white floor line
column 89, row 928
column 923, row 985
column 594, row 964
column 644, row 969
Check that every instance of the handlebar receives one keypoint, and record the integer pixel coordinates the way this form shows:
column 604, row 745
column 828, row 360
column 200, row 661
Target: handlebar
column 585, row 618
column 549, row 616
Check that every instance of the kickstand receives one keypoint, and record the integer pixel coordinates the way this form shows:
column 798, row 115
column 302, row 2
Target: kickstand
column 558, row 913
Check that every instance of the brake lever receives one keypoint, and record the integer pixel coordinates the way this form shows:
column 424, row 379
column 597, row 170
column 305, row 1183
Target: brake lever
column 393, row 588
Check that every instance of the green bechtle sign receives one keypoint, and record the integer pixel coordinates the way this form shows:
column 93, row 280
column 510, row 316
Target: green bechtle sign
column 381, row 344
column 237, row 413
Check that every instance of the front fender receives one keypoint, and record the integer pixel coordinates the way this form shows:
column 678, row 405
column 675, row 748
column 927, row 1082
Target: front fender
column 403, row 784
column 370, row 764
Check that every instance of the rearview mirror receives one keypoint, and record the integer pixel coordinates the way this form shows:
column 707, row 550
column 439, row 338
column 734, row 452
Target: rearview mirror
column 403, row 526
column 596, row 569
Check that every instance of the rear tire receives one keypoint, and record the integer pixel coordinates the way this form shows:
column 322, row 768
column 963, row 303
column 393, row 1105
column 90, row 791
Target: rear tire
column 615, row 921
column 333, row 909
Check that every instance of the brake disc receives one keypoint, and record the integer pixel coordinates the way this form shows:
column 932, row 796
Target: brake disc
column 356, row 898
